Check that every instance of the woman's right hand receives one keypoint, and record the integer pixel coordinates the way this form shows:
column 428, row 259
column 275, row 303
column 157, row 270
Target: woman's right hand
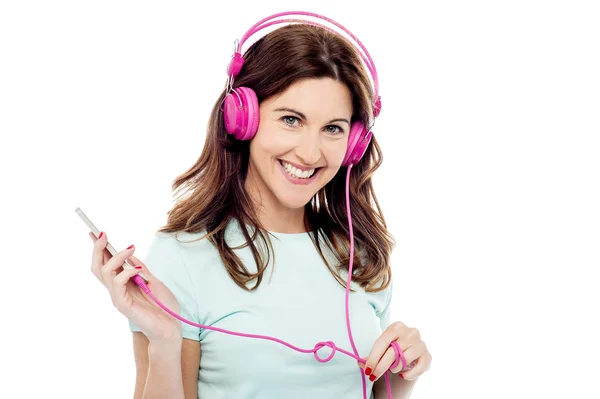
column 159, row 326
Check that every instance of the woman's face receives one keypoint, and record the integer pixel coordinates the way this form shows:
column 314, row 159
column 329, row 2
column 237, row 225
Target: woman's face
column 300, row 143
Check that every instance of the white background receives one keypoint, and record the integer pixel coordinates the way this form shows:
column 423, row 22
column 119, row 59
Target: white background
column 490, row 182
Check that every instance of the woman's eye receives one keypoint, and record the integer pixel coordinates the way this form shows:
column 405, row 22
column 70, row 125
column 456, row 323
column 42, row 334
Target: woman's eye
column 289, row 120
column 334, row 129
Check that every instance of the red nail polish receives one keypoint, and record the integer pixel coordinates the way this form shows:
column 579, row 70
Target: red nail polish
column 372, row 377
column 401, row 376
column 101, row 234
column 129, row 247
column 368, row 371
column 138, row 267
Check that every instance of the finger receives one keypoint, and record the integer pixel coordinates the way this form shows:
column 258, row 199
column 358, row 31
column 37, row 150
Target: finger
column 420, row 366
column 380, row 347
column 410, row 355
column 97, row 255
column 147, row 273
column 109, row 270
column 388, row 358
column 136, row 261
column 409, row 338
column 106, row 252
column 120, row 281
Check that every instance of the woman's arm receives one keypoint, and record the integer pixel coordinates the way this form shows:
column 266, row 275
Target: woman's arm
column 166, row 371
column 401, row 389
column 164, row 379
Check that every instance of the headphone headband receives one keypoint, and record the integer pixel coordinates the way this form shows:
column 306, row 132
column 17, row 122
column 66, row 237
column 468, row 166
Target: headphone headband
column 234, row 69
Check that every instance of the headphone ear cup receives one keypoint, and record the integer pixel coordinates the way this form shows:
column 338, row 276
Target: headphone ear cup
column 241, row 113
column 358, row 141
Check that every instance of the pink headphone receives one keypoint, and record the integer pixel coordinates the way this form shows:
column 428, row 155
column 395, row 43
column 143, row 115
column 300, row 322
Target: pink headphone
column 241, row 109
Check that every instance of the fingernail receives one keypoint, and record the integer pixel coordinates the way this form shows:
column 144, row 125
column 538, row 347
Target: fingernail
column 372, row 377
column 368, row 371
column 401, row 376
column 101, row 234
column 129, row 247
column 138, row 267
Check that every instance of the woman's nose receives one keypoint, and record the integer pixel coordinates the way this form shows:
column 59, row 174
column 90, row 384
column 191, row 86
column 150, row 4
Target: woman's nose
column 309, row 148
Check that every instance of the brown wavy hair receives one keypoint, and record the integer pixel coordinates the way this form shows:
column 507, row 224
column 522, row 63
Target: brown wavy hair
column 213, row 188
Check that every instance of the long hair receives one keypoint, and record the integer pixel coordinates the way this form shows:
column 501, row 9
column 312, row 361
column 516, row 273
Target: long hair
column 213, row 188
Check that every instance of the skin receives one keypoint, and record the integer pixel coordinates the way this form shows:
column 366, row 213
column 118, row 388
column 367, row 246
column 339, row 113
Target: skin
column 309, row 141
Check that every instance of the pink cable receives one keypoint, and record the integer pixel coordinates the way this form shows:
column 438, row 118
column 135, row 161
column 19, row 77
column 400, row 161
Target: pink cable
column 399, row 355
column 362, row 373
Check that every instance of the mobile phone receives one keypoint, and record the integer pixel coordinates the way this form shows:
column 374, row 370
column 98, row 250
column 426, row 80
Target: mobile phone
column 110, row 248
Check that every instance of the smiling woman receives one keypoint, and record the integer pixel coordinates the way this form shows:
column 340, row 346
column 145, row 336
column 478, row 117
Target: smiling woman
column 284, row 155
column 263, row 241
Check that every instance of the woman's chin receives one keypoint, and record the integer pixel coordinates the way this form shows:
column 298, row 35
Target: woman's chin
column 294, row 202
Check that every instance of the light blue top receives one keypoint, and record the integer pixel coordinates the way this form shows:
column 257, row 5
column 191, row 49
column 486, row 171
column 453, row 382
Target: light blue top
column 298, row 301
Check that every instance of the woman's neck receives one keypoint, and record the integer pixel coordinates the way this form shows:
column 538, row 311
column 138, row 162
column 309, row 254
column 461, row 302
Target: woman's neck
column 280, row 220
column 273, row 216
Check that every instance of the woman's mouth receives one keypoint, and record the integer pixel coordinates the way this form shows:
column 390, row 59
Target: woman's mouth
column 296, row 175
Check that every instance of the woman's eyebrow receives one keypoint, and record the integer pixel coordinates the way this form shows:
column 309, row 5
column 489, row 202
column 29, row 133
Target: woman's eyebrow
column 301, row 115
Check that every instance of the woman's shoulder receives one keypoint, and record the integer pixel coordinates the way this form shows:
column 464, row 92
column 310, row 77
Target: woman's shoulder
column 196, row 244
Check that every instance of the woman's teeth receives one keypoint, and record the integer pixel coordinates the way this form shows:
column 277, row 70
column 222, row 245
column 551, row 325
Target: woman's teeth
column 292, row 170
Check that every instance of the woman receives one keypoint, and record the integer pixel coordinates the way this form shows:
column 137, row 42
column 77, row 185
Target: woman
column 260, row 243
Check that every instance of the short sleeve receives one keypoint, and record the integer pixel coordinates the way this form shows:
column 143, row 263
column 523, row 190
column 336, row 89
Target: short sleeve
column 166, row 263
column 385, row 317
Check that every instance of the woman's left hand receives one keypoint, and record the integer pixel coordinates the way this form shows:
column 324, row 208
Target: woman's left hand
column 382, row 356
